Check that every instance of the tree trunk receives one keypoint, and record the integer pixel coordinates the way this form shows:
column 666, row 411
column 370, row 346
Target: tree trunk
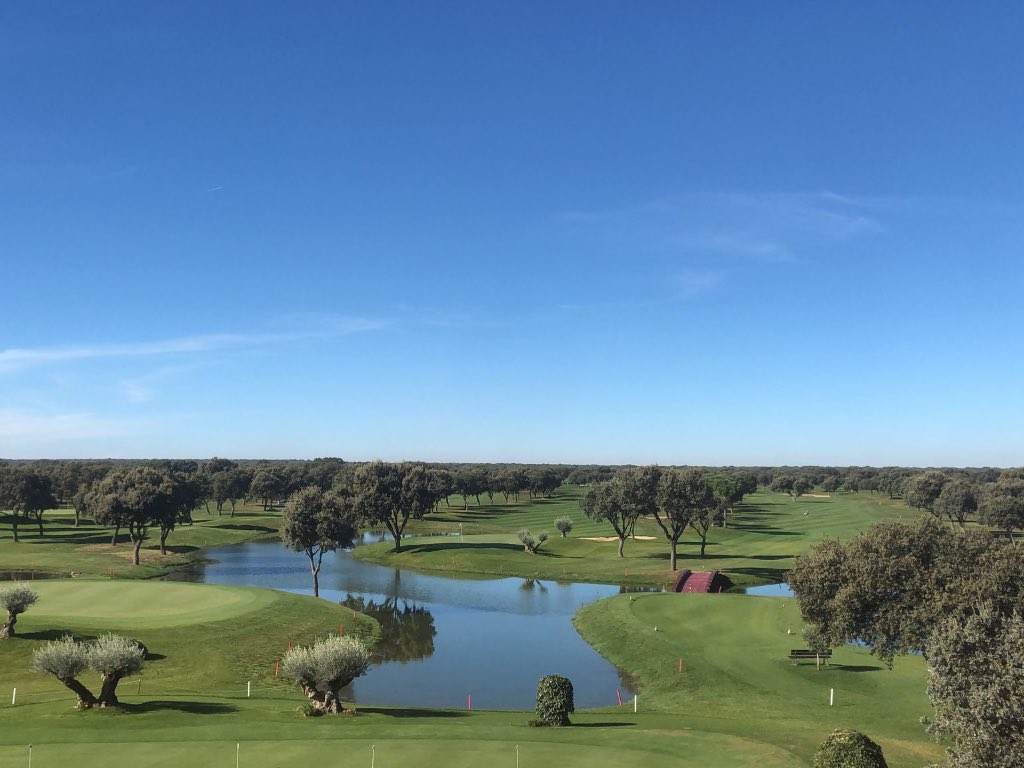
column 622, row 543
column 85, row 698
column 78, row 516
column 108, row 691
column 207, row 502
column 316, row 581
column 39, row 522
column 14, row 527
column 7, row 630
column 163, row 541
column 135, row 552
column 672, row 553
column 703, row 543
column 326, row 703
column 113, row 539
column 398, row 540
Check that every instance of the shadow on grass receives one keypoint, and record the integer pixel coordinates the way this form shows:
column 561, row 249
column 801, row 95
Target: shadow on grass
column 767, row 530
column 55, row 634
column 191, row 707
column 409, row 712
column 459, row 546
column 601, row 725
column 857, row 667
column 770, row 575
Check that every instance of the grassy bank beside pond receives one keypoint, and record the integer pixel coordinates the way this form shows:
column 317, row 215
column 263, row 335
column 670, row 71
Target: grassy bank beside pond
column 64, row 549
column 737, row 678
column 759, row 544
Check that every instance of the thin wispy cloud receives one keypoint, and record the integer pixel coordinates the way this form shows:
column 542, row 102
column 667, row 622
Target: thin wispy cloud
column 752, row 226
column 693, row 282
column 146, row 387
column 17, row 425
column 17, row 359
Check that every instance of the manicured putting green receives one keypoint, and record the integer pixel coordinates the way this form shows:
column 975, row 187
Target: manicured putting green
column 689, row 749
column 140, row 605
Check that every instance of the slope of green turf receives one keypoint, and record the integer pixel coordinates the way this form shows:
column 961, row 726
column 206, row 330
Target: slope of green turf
column 737, row 678
column 206, row 639
column 140, row 604
column 759, row 544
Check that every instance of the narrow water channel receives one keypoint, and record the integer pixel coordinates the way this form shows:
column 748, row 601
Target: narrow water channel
column 444, row 638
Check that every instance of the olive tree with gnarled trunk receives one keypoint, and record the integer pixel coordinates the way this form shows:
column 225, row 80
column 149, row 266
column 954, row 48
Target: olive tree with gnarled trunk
column 15, row 600
column 326, row 667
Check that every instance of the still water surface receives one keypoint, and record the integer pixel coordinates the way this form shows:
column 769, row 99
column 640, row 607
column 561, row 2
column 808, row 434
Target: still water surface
column 443, row 638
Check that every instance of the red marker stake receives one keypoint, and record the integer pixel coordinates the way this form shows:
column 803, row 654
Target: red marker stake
column 469, row 701
column 680, row 663
column 618, row 696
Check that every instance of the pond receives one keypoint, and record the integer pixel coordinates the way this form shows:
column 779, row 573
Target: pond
column 770, row 590
column 443, row 638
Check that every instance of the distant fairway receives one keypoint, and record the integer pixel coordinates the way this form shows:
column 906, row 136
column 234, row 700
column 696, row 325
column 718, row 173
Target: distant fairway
column 127, row 605
column 763, row 537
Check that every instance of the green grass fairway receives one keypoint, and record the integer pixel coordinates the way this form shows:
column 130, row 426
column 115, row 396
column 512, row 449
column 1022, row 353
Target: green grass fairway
column 412, row 745
column 207, row 640
column 738, row 680
column 759, row 545
column 140, row 604
column 64, row 549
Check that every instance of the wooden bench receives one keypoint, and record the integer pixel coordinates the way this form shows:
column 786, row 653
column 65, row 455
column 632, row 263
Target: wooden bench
column 797, row 654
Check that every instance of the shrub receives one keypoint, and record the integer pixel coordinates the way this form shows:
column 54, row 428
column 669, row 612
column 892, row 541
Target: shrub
column 564, row 525
column 532, row 543
column 554, row 700
column 849, row 749
column 15, row 600
column 326, row 667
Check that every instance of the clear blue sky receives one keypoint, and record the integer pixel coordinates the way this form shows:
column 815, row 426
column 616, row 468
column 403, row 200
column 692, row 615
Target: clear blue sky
column 689, row 232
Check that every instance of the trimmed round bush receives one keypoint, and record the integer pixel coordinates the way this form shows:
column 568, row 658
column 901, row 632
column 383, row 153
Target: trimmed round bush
column 849, row 749
column 554, row 700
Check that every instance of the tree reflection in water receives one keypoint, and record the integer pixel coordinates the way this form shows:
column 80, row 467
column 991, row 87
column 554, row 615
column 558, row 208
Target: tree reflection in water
column 406, row 630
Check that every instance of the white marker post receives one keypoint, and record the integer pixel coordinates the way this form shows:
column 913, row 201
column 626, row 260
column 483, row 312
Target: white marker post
column 634, row 703
column 373, row 753
column 831, row 695
column 14, row 696
column 248, row 689
column 238, row 750
column 517, row 756
column 29, row 756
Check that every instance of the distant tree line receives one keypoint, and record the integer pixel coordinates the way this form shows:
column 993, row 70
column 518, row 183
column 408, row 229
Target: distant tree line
column 137, row 497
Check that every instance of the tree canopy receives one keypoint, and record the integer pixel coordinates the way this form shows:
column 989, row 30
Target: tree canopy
column 956, row 597
column 315, row 522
